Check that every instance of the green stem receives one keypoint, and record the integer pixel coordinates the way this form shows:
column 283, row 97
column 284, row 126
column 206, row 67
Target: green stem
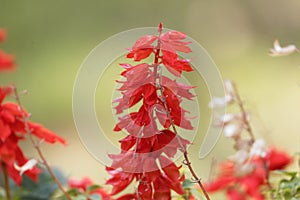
column 37, row 147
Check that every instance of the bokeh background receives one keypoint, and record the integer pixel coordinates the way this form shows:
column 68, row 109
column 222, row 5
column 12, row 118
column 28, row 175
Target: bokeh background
column 50, row 40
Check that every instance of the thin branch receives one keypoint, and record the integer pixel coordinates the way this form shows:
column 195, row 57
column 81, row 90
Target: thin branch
column 244, row 113
column 36, row 145
column 6, row 181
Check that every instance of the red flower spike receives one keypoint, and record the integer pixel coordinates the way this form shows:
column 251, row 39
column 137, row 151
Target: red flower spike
column 146, row 151
column 2, row 35
column 12, row 130
column 6, row 62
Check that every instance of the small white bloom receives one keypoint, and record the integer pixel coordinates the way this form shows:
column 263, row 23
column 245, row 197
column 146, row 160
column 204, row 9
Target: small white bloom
column 240, row 156
column 232, row 130
column 220, row 102
column 224, row 119
column 27, row 166
column 229, row 86
column 282, row 51
column 227, row 118
column 258, row 148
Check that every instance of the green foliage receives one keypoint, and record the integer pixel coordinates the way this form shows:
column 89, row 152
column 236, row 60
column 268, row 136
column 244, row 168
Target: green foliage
column 289, row 188
column 190, row 189
column 44, row 189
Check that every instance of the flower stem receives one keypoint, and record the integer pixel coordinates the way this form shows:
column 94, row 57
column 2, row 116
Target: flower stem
column 36, row 145
column 6, row 181
column 244, row 113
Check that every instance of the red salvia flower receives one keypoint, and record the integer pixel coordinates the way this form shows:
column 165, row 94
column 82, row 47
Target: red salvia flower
column 6, row 60
column 12, row 130
column 2, row 35
column 147, row 150
column 82, row 186
column 248, row 185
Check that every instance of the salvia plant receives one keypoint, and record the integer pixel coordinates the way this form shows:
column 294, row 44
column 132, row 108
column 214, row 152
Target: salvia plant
column 151, row 114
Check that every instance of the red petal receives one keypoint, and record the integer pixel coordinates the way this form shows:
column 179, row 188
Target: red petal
column 4, row 130
column 144, row 41
column 6, row 61
column 233, row 194
column 277, row 159
column 145, row 190
column 127, row 197
column 43, row 133
column 170, row 169
column 119, row 180
column 2, row 35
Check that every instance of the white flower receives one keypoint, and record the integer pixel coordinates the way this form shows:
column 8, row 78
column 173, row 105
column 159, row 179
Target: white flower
column 232, row 130
column 229, row 86
column 27, row 166
column 240, row 156
column 220, row 102
column 282, row 51
column 223, row 119
column 258, row 148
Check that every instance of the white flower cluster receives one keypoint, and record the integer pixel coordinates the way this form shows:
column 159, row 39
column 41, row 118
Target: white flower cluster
column 234, row 124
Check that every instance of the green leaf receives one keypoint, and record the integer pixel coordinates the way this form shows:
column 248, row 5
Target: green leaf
column 187, row 184
column 287, row 173
column 92, row 188
column 44, row 188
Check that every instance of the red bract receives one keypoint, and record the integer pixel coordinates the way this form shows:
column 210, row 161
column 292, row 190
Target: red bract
column 83, row 186
column 2, row 35
column 12, row 130
column 142, row 48
column 243, row 185
column 150, row 144
column 6, row 60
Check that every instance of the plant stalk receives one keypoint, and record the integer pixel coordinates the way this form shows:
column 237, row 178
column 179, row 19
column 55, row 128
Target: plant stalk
column 6, row 181
column 37, row 146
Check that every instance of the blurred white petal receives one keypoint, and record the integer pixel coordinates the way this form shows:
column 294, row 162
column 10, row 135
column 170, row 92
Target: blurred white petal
column 220, row 102
column 27, row 166
column 282, row 51
column 229, row 86
column 222, row 120
column 258, row 148
column 232, row 130
column 240, row 156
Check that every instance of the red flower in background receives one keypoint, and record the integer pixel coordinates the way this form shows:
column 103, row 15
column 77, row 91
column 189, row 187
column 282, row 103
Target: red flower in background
column 12, row 130
column 241, row 186
column 6, row 60
column 85, row 186
column 150, row 144
column 2, row 35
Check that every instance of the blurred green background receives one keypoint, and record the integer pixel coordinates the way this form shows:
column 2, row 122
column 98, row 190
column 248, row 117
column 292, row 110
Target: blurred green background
column 50, row 40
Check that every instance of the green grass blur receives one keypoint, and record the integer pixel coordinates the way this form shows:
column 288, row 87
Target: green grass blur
column 50, row 40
